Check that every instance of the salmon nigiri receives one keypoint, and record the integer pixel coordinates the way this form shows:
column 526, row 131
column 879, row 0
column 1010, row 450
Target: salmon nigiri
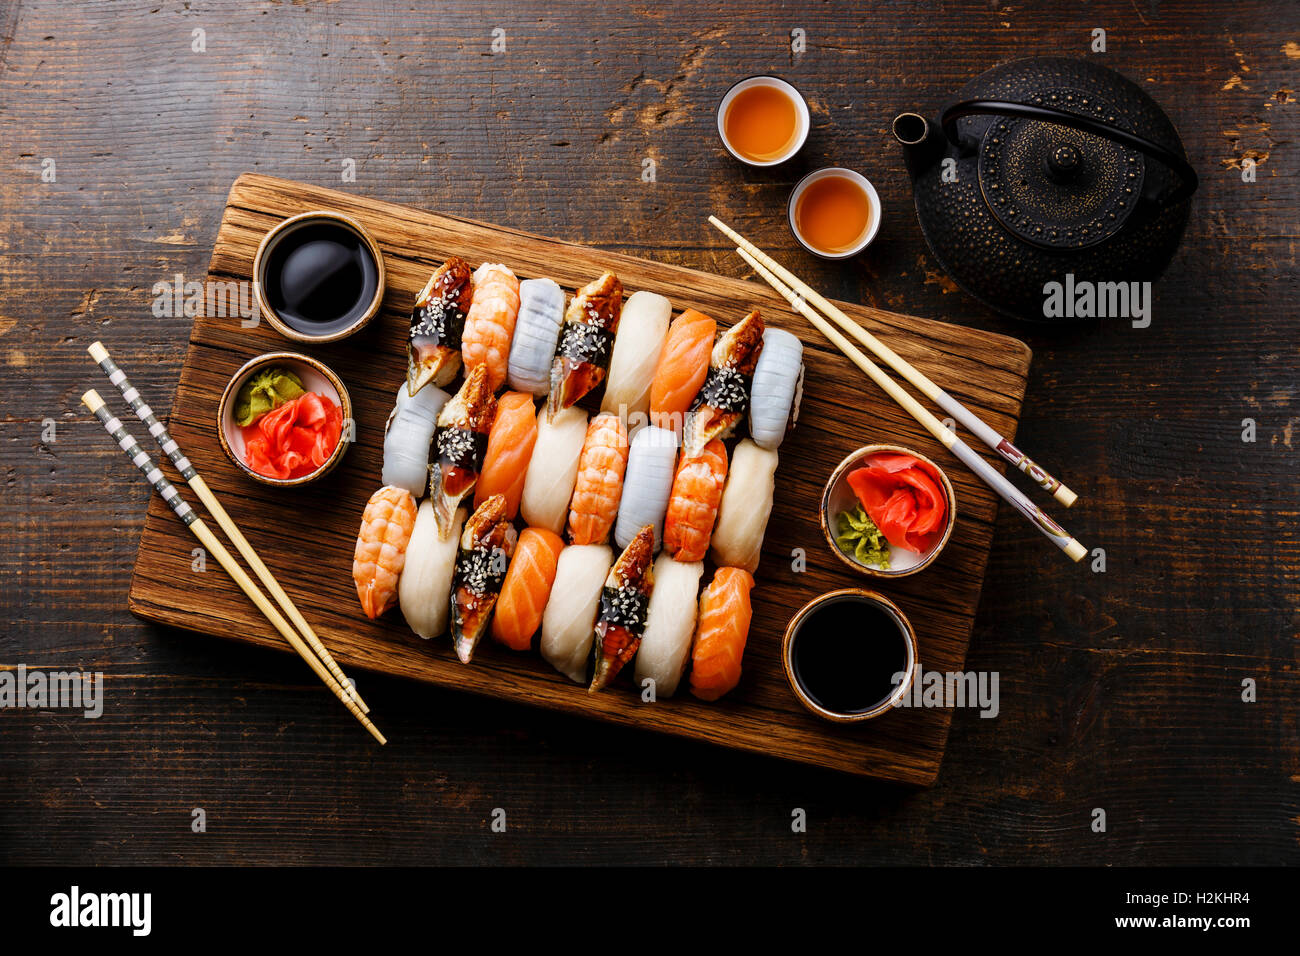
column 509, row 448
column 624, row 601
column 724, row 396
column 599, row 485
column 683, row 365
column 693, row 503
column 586, row 342
column 720, row 636
column 381, row 548
column 490, row 321
column 527, row 588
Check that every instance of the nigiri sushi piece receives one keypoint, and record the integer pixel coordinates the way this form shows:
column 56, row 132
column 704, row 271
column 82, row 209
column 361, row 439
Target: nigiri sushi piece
column 693, row 502
column 646, row 485
column 569, row 621
column 527, row 588
column 410, row 430
column 670, row 625
column 553, row 469
column 777, row 388
column 424, row 589
column 624, row 601
column 486, row 544
column 490, row 321
column 720, row 636
column 599, row 484
column 724, row 396
column 537, row 334
column 461, row 443
column 437, row 324
column 380, row 554
column 509, row 449
column 641, row 334
column 682, row 368
column 582, row 356
column 745, row 507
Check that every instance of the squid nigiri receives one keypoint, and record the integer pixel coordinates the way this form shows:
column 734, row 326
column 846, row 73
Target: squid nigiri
column 423, row 588
column 745, row 507
column 509, row 447
column 463, row 426
column 380, row 554
column 641, row 334
column 527, row 588
column 537, row 333
column 409, row 434
column 683, row 365
column 568, row 623
column 437, row 324
column 582, row 357
column 670, row 625
column 599, row 484
column 777, row 388
column 646, row 484
column 724, row 396
column 490, row 321
column 548, row 486
column 486, row 545
column 623, row 602
column 693, row 503
column 725, row 613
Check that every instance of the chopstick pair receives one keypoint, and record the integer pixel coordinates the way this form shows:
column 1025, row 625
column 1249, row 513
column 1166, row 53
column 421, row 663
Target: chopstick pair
column 799, row 297
column 313, row 652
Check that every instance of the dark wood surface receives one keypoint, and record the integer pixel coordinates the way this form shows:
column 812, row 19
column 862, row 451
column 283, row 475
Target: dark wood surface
column 1120, row 690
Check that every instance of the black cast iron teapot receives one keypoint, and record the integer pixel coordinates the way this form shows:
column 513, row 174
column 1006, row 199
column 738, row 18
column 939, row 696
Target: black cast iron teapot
column 1050, row 170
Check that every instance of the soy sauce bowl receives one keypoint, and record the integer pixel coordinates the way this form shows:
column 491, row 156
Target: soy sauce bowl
column 838, row 496
column 316, row 377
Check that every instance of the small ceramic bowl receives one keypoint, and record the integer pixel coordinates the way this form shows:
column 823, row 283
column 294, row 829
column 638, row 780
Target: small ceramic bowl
column 316, row 377
column 358, row 315
column 873, row 224
column 803, row 121
column 838, row 496
column 905, row 633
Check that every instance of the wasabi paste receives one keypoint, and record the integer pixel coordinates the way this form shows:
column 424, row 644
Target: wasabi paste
column 265, row 392
column 861, row 540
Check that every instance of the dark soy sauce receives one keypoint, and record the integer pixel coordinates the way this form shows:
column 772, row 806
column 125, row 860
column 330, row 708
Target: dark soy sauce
column 320, row 278
column 846, row 653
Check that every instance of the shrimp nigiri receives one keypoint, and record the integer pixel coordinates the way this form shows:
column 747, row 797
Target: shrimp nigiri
column 437, row 324
column 509, row 447
column 683, row 365
column 720, row 637
column 486, row 545
column 586, row 342
column 724, row 397
column 693, row 504
column 599, row 485
column 461, row 443
column 623, row 604
column 527, row 588
column 490, row 321
column 381, row 548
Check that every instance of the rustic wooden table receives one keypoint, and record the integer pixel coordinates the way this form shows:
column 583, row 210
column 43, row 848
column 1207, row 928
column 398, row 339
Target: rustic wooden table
column 122, row 127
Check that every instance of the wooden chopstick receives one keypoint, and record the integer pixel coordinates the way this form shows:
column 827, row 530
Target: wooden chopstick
column 983, row 470
column 187, row 471
column 978, row 427
column 140, row 458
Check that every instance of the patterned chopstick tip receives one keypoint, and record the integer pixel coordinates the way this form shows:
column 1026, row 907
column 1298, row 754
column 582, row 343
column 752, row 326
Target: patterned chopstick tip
column 156, row 428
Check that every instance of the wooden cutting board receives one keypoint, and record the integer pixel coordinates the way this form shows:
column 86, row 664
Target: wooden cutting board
column 841, row 411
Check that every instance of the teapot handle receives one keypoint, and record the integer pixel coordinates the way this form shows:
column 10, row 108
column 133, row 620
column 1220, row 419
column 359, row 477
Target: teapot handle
column 1179, row 166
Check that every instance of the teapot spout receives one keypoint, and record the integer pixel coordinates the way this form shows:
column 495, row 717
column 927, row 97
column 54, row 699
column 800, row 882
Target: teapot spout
column 922, row 141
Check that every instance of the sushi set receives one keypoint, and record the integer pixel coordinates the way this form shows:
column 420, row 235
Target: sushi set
column 578, row 480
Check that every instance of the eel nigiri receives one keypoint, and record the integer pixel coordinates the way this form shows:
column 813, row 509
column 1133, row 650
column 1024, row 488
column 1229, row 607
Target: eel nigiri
column 623, row 603
column 380, row 554
column 693, row 503
column 509, row 447
column 599, row 484
column 527, row 588
column 670, row 625
column 745, row 507
column 777, row 388
column 537, row 333
column 461, row 443
column 553, row 469
column 481, row 562
column 683, row 365
column 641, row 334
column 409, row 434
column 568, row 623
column 490, row 321
column 437, row 324
column 724, row 396
column 646, row 484
column 725, row 613
column 425, row 584
column 582, row 357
